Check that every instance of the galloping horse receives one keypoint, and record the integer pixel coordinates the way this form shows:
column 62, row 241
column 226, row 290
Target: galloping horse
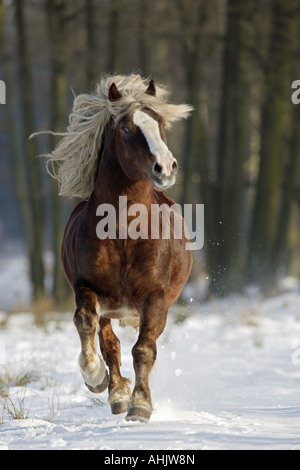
column 115, row 145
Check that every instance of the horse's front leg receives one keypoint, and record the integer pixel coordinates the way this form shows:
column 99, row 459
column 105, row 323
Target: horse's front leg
column 152, row 323
column 118, row 388
column 86, row 320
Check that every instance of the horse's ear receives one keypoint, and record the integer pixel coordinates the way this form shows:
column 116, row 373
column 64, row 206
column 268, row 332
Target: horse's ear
column 151, row 90
column 113, row 93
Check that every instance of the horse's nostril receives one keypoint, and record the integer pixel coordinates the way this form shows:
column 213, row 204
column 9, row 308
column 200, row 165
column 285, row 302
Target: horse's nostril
column 174, row 166
column 157, row 169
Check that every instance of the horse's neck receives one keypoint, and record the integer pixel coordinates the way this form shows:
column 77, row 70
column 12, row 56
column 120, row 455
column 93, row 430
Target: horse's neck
column 111, row 182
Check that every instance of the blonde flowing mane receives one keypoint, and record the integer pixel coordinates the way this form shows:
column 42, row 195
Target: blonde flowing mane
column 75, row 159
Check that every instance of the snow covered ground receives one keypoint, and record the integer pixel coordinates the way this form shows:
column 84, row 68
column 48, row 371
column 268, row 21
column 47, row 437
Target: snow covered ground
column 226, row 378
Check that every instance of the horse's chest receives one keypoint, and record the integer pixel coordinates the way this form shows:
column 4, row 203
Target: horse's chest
column 128, row 273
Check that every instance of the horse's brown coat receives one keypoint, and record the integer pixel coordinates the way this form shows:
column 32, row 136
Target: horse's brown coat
column 136, row 278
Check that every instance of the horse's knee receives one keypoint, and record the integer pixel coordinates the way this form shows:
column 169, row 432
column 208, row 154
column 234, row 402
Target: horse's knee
column 91, row 364
column 144, row 352
column 85, row 320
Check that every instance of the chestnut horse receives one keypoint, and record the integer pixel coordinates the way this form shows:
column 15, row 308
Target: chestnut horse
column 122, row 278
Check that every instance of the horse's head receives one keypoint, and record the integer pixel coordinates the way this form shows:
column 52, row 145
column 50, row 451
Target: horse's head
column 141, row 145
column 138, row 113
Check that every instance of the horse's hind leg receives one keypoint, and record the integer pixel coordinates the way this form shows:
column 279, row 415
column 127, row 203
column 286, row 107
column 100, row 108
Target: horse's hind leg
column 86, row 320
column 119, row 391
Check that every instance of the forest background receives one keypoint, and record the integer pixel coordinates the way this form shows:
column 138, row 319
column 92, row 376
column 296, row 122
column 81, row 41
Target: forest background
column 239, row 153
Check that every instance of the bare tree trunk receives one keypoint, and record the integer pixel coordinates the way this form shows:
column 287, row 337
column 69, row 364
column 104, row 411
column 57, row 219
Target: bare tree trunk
column 291, row 179
column 143, row 37
column 91, row 73
column 193, row 55
column 56, row 11
column 2, row 11
column 273, row 134
column 33, row 180
column 19, row 180
column 114, row 59
column 225, row 254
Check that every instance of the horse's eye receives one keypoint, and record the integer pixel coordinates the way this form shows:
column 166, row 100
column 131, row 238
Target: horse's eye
column 126, row 130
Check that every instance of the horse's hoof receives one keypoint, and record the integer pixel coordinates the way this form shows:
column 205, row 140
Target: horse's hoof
column 99, row 388
column 139, row 413
column 119, row 406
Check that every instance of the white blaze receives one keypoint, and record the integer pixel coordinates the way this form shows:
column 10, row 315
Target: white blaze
column 157, row 146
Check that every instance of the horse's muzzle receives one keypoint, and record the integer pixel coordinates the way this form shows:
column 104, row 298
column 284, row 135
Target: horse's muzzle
column 162, row 176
